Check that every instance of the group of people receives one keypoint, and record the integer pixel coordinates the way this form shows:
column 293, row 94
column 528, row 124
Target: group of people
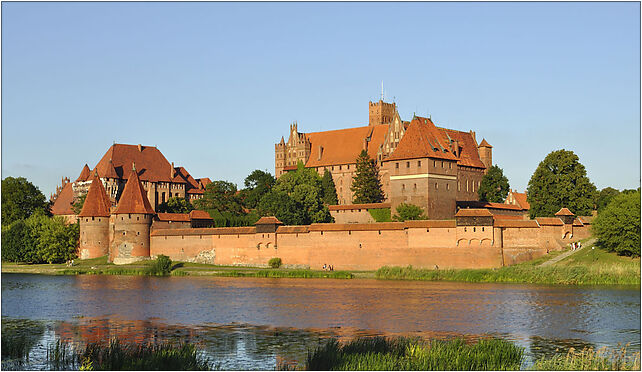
column 575, row 246
column 328, row 267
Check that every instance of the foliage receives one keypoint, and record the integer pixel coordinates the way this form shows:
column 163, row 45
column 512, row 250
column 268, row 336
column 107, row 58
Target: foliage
column 605, row 196
column 227, row 219
column 589, row 359
column 77, row 206
column 494, row 186
column 560, row 181
column 220, row 196
column 329, row 189
column 381, row 353
column 296, row 199
column 40, row 239
column 176, row 204
column 275, row 262
column 281, row 273
column 366, row 184
column 380, row 214
column 617, row 226
column 162, row 266
column 20, row 199
column 116, row 356
column 257, row 184
column 407, row 212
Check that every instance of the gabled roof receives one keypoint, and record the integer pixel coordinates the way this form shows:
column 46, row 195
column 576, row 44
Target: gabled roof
column 473, row 213
column 469, row 155
column 549, row 221
column 423, row 140
column 564, row 212
column 343, row 146
column 488, row 205
column 134, row 199
column 199, row 215
column 269, row 220
column 150, row 162
column 62, row 205
column 97, row 202
column 520, row 198
column 175, row 217
column 204, row 182
column 85, row 174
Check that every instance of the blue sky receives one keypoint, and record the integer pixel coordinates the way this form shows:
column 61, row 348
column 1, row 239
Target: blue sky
column 215, row 85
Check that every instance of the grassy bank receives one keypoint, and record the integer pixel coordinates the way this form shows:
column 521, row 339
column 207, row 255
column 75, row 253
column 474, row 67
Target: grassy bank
column 590, row 360
column 586, row 267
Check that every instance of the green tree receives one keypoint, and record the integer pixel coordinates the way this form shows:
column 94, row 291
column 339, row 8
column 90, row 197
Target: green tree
column 366, row 184
column 220, row 196
column 617, row 226
column 494, row 186
column 605, row 196
column 20, row 199
column 329, row 189
column 14, row 241
column 77, row 206
column 407, row 212
column 560, row 181
column 57, row 241
column 257, row 184
column 282, row 206
column 176, row 204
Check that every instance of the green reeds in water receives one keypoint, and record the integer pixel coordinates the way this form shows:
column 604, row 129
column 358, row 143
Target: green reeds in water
column 588, row 359
column 19, row 336
column 117, row 356
column 381, row 353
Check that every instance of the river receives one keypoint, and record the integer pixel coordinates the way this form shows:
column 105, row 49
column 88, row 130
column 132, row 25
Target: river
column 255, row 323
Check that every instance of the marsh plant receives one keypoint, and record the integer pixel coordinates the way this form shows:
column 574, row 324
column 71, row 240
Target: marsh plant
column 589, row 359
column 19, row 336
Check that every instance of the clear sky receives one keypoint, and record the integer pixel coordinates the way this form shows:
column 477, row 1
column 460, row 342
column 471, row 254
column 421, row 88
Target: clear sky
column 215, row 85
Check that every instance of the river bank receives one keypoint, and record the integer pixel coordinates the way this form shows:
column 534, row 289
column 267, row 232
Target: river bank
column 586, row 267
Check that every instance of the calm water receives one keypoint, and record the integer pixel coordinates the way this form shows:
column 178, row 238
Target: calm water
column 246, row 323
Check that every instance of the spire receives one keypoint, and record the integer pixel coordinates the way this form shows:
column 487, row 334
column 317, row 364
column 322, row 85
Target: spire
column 85, row 174
column 134, row 198
column 484, row 143
column 96, row 203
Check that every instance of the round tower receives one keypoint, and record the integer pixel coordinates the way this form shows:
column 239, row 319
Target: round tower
column 94, row 222
column 485, row 154
column 131, row 223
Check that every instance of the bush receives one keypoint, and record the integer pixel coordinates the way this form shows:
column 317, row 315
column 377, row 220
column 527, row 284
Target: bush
column 275, row 262
column 407, row 212
column 380, row 214
column 162, row 266
column 617, row 227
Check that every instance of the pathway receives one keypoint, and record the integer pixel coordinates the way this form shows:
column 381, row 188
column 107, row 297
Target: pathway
column 566, row 254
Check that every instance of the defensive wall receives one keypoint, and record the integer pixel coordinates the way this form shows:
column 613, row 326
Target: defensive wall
column 467, row 242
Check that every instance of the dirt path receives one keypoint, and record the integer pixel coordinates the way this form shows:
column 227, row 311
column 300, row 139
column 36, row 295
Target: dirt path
column 566, row 254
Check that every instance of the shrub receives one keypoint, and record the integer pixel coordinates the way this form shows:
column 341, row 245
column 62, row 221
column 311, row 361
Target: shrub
column 162, row 266
column 275, row 262
column 380, row 214
column 617, row 227
column 408, row 212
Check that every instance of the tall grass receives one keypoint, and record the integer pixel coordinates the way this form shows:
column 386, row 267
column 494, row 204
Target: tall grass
column 285, row 274
column 381, row 353
column 116, row 356
column 589, row 359
column 19, row 336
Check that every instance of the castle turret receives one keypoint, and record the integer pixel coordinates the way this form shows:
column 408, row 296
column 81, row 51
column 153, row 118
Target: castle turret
column 381, row 112
column 94, row 222
column 485, row 153
column 131, row 223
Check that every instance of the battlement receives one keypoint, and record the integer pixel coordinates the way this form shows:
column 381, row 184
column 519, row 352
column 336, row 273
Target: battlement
column 381, row 112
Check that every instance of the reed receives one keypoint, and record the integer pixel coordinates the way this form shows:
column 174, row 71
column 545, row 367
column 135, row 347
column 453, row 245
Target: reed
column 381, row 353
column 19, row 336
column 276, row 273
column 603, row 359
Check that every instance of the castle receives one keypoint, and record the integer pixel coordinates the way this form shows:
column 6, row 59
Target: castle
column 419, row 163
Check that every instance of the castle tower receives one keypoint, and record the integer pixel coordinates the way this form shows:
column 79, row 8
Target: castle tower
column 485, row 153
column 381, row 112
column 94, row 222
column 131, row 223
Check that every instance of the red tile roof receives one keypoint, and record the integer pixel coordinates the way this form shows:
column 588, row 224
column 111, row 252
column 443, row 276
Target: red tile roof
column 484, row 144
column 577, row 222
column 430, row 223
column 502, row 222
column 184, row 217
column 520, row 198
column 199, row 215
column 549, row 221
column 488, row 205
column 204, row 181
column 134, row 199
column 85, row 174
column 292, row 229
column 343, row 146
column 62, row 205
column 97, row 202
column 358, row 206
column 196, row 191
column 269, row 220
column 357, row 226
column 150, row 162
column 473, row 213
column 469, row 155
column 564, row 212
column 586, row 220
column 507, row 217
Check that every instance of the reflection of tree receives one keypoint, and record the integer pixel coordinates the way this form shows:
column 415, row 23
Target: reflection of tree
column 540, row 346
column 19, row 336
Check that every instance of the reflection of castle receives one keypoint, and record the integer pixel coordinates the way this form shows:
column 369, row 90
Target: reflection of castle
column 420, row 163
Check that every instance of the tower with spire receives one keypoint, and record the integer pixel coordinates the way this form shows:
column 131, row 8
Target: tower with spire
column 94, row 221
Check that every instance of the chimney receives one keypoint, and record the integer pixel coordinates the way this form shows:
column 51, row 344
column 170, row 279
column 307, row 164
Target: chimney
column 320, row 152
column 140, row 148
column 173, row 173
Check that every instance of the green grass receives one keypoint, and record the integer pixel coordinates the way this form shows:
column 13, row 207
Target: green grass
column 381, row 353
column 116, row 356
column 380, row 214
column 589, row 359
column 272, row 273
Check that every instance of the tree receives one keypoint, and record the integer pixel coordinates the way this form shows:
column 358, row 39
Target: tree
column 77, row 206
column 57, row 241
column 329, row 189
column 560, row 181
column 257, row 184
column 605, row 196
column 220, row 196
column 282, row 206
column 617, row 226
column 366, row 184
column 176, row 204
column 494, row 186
column 407, row 212
column 20, row 199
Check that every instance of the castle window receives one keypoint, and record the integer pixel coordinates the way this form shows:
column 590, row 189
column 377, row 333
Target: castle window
column 450, row 165
column 482, row 229
column 137, row 232
column 436, row 186
column 124, row 232
column 92, row 218
column 407, row 164
column 474, row 229
column 419, row 163
column 464, row 229
column 137, row 218
column 403, row 187
column 348, row 166
column 415, row 187
column 434, row 163
column 447, row 186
